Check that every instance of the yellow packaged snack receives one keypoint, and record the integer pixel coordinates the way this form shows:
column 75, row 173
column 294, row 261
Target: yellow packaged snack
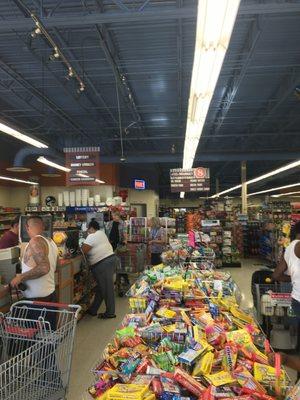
column 169, row 328
column 199, row 334
column 123, row 391
column 102, row 397
column 166, row 313
column 150, row 397
column 220, row 378
column 185, row 318
column 204, row 365
column 266, row 374
column 236, row 312
column 241, row 336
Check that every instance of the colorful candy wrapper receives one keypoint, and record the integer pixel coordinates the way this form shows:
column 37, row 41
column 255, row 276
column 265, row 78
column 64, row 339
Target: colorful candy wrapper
column 204, row 365
column 230, row 357
column 294, row 393
column 188, row 382
column 157, row 386
column 220, row 378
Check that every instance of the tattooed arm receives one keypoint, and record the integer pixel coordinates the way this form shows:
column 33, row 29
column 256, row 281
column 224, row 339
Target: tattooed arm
column 37, row 257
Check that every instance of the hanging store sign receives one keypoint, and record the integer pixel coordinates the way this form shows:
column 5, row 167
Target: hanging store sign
column 84, row 163
column 190, row 180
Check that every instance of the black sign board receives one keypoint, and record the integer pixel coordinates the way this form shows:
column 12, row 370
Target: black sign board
column 190, row 180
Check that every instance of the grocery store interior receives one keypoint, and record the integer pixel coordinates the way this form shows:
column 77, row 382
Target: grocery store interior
column 156, row 145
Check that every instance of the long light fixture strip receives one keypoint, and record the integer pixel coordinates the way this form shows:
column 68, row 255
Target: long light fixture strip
column 45, row 161
column 21, row 136
column 6, row 178
column 214, row 27
column 274, row 189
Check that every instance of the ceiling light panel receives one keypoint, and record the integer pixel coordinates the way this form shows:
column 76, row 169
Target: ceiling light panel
column 6, row 178
column 45, row 161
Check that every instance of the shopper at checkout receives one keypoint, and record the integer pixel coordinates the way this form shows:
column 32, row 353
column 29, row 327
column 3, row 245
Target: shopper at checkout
column 288, row 269
column 38, row 264
column 102, row 261
column 11, row 237
column 156, row 240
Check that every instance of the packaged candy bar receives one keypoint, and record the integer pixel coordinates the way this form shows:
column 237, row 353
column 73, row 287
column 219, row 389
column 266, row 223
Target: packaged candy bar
column 157, row 386
column 188, row 382
column 229, row 357
column 189, row 357
column 250, row 351
column 169, row 385
column 127, row 391
column 240, row 336
column 142, row 379
column 166, row 313
column 220, row 378
column 142, row 367
column 204, row 365
column 246, row 379
column 266, row 374
column 236, row 312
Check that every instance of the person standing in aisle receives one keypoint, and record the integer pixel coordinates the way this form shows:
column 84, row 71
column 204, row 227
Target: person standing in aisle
column 116, row 231
column 102, row 261
column 11, row 237
column 156, row 240
column 288, row 270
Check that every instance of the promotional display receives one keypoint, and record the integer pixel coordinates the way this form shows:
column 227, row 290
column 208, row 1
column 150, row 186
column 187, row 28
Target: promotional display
column 186, row 337
column 190, row 180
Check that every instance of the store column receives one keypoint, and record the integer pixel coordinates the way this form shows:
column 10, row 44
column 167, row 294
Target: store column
column 244, row 187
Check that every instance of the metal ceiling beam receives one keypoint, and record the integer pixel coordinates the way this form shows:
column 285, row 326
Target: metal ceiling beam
column 205, row 157
column 153, row 14
column 44, row 99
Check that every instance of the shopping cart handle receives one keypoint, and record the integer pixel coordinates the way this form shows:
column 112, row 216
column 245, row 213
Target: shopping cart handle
column 49, row 304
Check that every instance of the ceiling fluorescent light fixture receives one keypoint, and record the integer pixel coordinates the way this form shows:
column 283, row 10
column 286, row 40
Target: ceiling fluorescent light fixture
column 99, row 181
column 274, row 189
column 226, row 191
column 44, row 160
column 261, row 177
column 284, row 194
column 18, row 135
column 6, row 178
column 215, row 22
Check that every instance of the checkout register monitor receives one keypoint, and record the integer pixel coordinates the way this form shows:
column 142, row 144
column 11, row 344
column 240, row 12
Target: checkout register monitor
column 23, row 235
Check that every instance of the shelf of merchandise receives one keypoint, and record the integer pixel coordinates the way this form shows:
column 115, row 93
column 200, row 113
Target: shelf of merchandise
column 138, row 229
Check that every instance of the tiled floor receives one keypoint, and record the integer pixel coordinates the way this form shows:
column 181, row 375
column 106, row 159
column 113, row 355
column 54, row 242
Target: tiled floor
column 93, row 334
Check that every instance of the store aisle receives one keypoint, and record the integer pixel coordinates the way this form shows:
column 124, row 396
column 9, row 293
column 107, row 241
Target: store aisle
column 91, row 338
column 93, row 334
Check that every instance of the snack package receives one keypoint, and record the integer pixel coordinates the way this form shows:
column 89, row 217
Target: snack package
column 166, row 313
column 188, row 382
column 251, row 352
column 220, row 378
column 142, row 380
column 130, row 391
column 267, row 374
column 189, row 357
column 246, row 379
column 229, row 357
column 236, row 312
column 204, row 365
column 157, row 386
column 240, row 336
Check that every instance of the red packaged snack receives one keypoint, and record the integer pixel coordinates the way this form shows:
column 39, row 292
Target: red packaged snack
column 157, row 386
column 188, row 382
column 142, row 367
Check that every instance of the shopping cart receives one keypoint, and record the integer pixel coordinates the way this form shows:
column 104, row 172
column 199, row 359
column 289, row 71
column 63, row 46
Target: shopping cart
column 272, row 302
column 37, row 342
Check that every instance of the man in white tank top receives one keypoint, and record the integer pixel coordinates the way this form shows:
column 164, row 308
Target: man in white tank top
column 288, row 270
column 38, row 264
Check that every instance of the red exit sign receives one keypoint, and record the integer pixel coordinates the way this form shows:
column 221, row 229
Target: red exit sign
column 139, row 184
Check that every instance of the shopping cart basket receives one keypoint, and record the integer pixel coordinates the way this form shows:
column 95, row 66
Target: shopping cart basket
column 274, row 313
column 131, row 261
column 37, row 343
